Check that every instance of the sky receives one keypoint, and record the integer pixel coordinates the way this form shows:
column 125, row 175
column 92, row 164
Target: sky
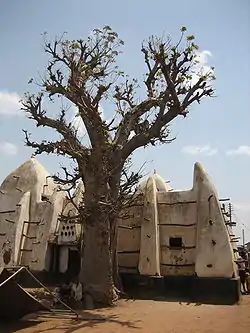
column 216, row 132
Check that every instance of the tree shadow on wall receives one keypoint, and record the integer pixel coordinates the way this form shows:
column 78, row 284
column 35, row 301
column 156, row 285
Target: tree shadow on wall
column 215, row 291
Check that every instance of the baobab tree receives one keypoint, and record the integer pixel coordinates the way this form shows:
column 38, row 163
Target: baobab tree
column 85, row 74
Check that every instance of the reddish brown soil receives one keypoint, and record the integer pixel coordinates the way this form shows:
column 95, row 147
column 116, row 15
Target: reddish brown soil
column 146, row 316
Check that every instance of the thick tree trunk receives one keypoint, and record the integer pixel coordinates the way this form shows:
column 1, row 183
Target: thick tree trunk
column 115, row 264
column 114, row 183
column 96, row 273
column 97, row 248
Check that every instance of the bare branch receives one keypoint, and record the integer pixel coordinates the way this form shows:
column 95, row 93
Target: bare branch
column 70, row 145
column 84, row 73
column 62, row 147
column 70, row 178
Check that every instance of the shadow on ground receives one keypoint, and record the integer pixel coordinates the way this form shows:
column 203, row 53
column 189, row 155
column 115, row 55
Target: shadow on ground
column 69, row 324
column 175, row 290
column 17, row 326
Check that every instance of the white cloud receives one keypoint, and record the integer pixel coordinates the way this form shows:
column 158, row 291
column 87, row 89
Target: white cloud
column 241, row 150
column 202, row 67
column 243, row 206
column 131, row 135
column 9, row 103
column 202, row 57
column 101, row 111
column 78, row 124
column 200, row 150
column 8, row 148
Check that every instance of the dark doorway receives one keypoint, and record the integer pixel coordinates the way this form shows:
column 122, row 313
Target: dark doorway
column 74, row 263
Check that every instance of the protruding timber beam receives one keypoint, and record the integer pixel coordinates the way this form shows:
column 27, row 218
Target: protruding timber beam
column 7, row 211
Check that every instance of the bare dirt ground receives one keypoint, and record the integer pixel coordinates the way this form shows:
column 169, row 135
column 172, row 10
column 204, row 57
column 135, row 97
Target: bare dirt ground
column 145, row 316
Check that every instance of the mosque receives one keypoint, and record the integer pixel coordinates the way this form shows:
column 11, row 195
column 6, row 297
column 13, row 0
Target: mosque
column 175, row 235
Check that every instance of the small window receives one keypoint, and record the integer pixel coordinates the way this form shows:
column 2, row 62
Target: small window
column 175, row 242
column 44, row 198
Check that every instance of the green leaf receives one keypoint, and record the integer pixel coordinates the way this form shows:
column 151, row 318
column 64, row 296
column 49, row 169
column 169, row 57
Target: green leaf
column 195, row 46
column 183, row 29
column 191, row 37
column 75, row 45
column 107, row 27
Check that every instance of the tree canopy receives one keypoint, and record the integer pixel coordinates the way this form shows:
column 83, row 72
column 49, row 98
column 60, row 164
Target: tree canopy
column 85, row 73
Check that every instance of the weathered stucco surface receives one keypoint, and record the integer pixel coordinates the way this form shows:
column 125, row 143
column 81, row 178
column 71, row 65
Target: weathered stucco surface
column 31, row 196
column 214, row 256
column 47, row 213
column 129, row 238
column 177, row 219
column 193, row 218
column 165, row 232
column 149, row 262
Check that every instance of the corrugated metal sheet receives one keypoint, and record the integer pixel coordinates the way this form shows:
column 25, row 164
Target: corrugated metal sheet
column 15, row 302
